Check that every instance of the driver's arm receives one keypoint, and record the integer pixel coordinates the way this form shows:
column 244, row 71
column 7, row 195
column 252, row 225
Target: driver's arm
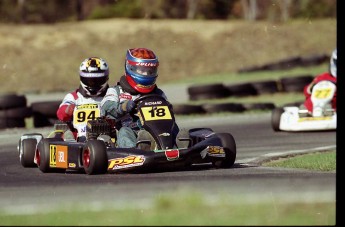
column 111, row 106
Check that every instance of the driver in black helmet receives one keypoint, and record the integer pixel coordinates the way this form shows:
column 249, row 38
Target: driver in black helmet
column 94, row 76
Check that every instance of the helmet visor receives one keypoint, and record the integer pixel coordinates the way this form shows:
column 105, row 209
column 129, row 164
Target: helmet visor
column 147, row 71
column 94, row 81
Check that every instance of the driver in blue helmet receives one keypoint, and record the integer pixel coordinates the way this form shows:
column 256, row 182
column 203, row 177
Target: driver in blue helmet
column 141, row 72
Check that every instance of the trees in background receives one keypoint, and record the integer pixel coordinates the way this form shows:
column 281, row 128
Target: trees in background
column 42, row 11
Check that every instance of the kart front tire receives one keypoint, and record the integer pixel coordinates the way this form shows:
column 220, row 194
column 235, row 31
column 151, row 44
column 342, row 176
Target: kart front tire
column 94, row 157
column 27, row 152
column 275, row 118
column 229, row 146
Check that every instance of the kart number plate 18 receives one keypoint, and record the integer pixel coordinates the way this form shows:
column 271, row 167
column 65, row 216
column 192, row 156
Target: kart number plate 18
column 156, row 113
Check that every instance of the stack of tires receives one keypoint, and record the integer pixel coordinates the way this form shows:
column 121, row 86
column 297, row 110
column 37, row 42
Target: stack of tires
column 13, row 111
column 44, row 113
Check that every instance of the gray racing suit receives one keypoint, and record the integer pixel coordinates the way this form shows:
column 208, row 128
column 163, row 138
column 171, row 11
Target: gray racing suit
column 111, row 106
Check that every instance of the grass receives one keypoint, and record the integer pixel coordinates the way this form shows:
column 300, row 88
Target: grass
column 320, row 161
column 186, row 209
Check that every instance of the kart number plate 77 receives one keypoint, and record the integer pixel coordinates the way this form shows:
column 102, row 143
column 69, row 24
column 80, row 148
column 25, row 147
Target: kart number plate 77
column 156, row 113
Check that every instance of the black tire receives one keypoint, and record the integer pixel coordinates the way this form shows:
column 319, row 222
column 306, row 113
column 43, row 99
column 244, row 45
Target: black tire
column 201, row 89
column 185, row 109
column 259, row 106
column 41, row 120
column 12, row 101
column 208, row 96
column 223, row 107
column 295, row 84
column 211, row 91
column 27, row 154
column 266, row 87
column 47, row 108
column 44, row 156
column 12, row 123
column 229, row 146
column 242, row 90
column 297, row 104
column 17, row 112
column 275, row 118
column 314, row 59
column 94, row 157
column 287, row 63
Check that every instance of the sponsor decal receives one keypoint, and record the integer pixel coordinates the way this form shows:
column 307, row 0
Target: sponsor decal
column 153, row 103
column 125, row 96
column 172, row 154
column 58, row 156
column 314, row 119
column 87, row 106
column 72, row 165
column 147, row 64
column 126, row 162
column 216, row 151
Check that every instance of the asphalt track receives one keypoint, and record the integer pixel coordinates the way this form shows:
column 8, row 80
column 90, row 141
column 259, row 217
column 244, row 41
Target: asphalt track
column 27, row 190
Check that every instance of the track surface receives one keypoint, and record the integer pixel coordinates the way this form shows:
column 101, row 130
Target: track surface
column 27, row 190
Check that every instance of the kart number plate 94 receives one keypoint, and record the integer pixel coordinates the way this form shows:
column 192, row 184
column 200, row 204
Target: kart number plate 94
column 156, row 113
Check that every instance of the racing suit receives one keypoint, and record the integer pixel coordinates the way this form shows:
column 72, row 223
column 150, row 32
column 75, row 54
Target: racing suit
column 308, row 90
column 84, row 108
column 129, row 125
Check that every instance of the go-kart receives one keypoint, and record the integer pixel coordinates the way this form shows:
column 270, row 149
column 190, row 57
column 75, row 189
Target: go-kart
column 296, row 118
column 97, row 152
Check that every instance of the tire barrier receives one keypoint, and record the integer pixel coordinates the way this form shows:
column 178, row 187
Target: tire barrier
column 295, row 84
column 186, row 109
column 223, row 107
column 289, row 63
column 13, row 111
column 44, row 113
column 259, row 106
column 284, row 84
column 242, row 90
column 266, row 87
column 210, row 91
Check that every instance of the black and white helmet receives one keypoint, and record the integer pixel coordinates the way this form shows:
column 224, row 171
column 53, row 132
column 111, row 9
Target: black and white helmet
column 94, row 75
column 333, row 63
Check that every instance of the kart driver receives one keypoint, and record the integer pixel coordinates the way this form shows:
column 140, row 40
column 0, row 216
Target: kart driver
column 330, row 76
column 94, row 76
column 141, row 72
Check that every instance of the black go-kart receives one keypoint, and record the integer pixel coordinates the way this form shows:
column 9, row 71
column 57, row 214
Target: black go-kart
column 98, row 153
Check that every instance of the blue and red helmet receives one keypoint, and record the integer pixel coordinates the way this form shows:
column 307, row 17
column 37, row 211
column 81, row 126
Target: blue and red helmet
column 141, row 68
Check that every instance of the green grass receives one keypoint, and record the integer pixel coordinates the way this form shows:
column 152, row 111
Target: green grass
column 189, row 209
column 320, row 161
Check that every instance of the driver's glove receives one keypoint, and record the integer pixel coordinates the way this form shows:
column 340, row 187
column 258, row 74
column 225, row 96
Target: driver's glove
column 127, row 106
column 109, row 109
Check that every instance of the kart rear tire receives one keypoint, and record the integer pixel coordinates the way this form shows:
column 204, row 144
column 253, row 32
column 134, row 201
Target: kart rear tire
column 27, row 154
column 94, row 157
column 275, row 118
column 229, row 146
